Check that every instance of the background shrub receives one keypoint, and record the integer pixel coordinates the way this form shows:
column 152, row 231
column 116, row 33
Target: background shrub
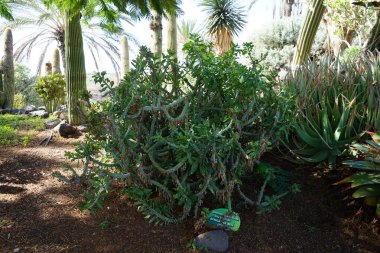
column 51, row 89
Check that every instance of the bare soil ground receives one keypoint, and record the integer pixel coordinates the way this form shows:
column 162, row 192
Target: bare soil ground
column 39, row 214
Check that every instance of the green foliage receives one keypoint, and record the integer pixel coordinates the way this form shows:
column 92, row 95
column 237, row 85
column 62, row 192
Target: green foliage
column 15, row 129
column 51, row 89
column 275, row 43
column 24, row 84
column 178, row 138
column 335, row 102
column 19, row 101
column 366, row 182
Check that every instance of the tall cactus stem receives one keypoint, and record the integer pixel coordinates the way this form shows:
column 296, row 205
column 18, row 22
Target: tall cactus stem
column 124, row 56
column 308, row 32
column 7, row 65
column 75, row 67
column 56, row 62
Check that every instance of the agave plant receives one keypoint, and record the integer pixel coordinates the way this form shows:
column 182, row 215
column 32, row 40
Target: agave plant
column 48, row 31
column 366, row 182
column 335, row 102
column 225, row 20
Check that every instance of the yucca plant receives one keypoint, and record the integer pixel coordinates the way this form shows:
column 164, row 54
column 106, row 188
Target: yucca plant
column 335, row 102
column 366, row 182
column 225, row 20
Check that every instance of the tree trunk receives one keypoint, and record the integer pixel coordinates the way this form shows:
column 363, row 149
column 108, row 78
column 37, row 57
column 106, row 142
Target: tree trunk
column 288, row 7
column 7, row 66
column 172, row 33
column 48, row 69
column 124, row 55
column 373, row 43
column 308, row 32
column 75, row 67
column 156, row 27
column 56, row 62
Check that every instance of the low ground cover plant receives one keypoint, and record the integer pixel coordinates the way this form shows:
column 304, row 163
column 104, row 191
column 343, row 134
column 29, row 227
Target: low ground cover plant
column 181, row 135
column 17, row 129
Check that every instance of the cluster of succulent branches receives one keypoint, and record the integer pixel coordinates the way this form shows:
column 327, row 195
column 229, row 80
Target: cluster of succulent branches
column 176, row 138
column 48, row 24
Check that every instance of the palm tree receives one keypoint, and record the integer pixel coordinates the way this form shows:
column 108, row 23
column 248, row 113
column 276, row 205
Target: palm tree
column 48, row 25
column 225, row 20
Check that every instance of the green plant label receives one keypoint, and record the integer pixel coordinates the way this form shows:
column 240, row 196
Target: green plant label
column 222, row 218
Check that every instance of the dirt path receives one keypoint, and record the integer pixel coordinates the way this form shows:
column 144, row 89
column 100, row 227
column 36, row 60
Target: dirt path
column 39, row 214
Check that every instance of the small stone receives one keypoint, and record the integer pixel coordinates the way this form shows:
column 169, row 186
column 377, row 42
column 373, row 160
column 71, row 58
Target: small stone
column 215, row 240
column 41, row 108
column 51, row 123
column 83, row 128
column 30, row 108
column 39, row 113
column 66, row 130
column 16, row 250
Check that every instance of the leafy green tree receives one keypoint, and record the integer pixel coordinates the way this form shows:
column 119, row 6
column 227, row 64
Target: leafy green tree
column 225, row 20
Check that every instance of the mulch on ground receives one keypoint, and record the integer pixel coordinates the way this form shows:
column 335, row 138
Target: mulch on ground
column 39, row 214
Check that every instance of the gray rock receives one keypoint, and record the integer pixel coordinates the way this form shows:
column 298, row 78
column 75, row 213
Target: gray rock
column 215, row 240
column 63, row 115
column 39, row 113
column 16, row 250
column 30, row 108
column 51, row 123
column 67, row 131
column 83, row 128
column 61, row 108
column 41, row 108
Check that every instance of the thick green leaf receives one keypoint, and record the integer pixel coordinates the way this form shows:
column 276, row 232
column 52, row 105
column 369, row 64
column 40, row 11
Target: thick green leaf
column 367, row 191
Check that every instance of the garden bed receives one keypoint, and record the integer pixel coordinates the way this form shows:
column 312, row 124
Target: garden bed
column 39, row 214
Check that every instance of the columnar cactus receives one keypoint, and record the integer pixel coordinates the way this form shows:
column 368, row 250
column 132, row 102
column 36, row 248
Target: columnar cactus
column 56, row 62
column 172, row 33
column 75, row 66
column 7, row 66
column 48, row 69
column 156, row 27
column 308, row 32
column 124, row 56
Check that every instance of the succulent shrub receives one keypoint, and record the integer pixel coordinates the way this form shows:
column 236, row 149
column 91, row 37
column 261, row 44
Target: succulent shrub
column 177, row 140
column 51, row 89
column 335, row 102
column 366, row 182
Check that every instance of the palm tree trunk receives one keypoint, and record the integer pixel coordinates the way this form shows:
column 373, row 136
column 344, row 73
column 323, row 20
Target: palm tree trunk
column 308, row 32
column 172, row 33
column 288, row 7
column 373, row 43
column 75, row 66
column 156, row 27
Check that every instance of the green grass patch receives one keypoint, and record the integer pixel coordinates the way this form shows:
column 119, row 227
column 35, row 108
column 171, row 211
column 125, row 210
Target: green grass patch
column 18, row 129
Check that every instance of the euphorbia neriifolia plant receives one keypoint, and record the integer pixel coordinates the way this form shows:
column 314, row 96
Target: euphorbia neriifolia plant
column 176, row 137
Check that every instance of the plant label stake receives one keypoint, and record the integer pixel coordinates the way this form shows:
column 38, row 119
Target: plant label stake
column 222, row 218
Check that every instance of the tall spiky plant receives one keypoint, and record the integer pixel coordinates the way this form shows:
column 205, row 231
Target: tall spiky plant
column 56, row 62
column 225, row 20
column 124, row 56
column 75, row 66
column 308, row 32
column 7, row 66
